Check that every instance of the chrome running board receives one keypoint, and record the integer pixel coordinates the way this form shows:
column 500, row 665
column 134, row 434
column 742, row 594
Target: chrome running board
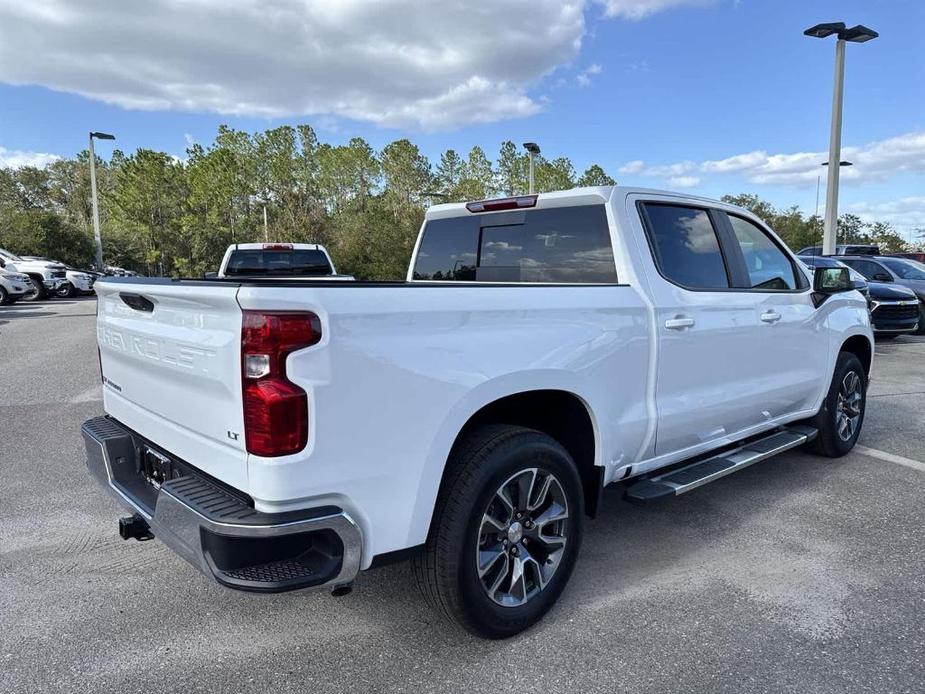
column 683, row 479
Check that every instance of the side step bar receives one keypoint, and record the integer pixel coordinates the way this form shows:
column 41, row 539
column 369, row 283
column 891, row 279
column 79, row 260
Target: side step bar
column 688, row 477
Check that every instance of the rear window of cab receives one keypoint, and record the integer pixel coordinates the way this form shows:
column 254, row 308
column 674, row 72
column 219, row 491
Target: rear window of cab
column 567, row 245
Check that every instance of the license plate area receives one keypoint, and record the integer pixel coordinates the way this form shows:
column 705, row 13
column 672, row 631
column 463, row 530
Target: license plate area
column 156, row 467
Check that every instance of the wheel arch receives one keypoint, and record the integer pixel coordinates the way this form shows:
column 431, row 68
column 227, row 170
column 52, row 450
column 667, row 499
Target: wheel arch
column 861, row 347
column 561, row 414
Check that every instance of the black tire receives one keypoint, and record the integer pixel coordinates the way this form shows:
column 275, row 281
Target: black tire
column 921, row 330
column 66, row 291
column 40, row 292
column 447, row 571
column 4, row 297
column 831, row 441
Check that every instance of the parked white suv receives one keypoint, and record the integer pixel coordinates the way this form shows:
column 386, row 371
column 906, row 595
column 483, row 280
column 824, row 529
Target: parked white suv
column 47, row 276
column 289, row 435
column 13, row 285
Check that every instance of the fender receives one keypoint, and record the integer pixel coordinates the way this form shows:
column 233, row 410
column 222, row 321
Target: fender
column 482, row 395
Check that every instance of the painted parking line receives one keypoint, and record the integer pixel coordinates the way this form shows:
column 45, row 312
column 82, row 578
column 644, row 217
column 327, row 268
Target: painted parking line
column 891, row 458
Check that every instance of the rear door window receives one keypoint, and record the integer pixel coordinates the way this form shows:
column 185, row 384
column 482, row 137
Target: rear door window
column 868, row 268
column 685, row 246
column 552, row 245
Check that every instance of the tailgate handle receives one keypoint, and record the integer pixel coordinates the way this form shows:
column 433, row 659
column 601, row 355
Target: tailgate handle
column 137, row 302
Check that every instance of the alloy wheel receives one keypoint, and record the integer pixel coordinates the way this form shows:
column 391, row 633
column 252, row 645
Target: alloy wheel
column 522, row 537
column 849, row 405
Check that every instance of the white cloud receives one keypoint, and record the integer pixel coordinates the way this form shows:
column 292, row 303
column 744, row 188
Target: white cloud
column 630, row 168
column 903, row 213
column 14, row 158
column 664, row 171
column 584, row 77
column 388, row 63
column 640, row 9
column 684, row 181
column 875, row 161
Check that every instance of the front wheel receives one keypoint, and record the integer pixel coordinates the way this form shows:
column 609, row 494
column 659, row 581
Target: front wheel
column 842, row 414
column 65, row 291
column 38, row 292
column 506, row 531
column 4, row 297
column 921, row 330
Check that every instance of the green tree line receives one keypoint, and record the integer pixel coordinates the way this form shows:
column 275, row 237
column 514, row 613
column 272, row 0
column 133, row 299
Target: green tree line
column 164, row 216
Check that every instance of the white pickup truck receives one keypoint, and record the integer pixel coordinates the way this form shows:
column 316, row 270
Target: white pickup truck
column 278, row 260
column 283, row 435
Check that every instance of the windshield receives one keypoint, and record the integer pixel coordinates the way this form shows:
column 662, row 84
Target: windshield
column 9, row 256
column 905, row 269
column 299, row 263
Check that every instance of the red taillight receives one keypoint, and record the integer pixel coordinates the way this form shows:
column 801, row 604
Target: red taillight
column 277, row 246
column 275, row 409
column 502, row 204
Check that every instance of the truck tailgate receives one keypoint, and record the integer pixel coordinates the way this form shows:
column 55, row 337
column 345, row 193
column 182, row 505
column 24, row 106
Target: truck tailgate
column 171, row 361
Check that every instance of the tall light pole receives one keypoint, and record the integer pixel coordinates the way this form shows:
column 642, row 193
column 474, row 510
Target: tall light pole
column 856, row 34
column 96, row 206
column 818, row 179
column 532, row 150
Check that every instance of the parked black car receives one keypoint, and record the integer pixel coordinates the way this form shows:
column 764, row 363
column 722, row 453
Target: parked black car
column 900, row 272
column 894, row 309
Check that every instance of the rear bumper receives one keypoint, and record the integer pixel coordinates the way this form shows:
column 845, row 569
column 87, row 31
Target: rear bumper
column 216, row 530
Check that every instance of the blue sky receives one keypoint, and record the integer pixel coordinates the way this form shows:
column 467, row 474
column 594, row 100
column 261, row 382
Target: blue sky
column 713, row 97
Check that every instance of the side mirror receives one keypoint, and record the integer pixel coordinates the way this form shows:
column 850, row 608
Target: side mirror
column 828, row 281
column 883, row 277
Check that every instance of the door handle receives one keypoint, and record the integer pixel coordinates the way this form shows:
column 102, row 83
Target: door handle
column 770, row 316
column 679, row 323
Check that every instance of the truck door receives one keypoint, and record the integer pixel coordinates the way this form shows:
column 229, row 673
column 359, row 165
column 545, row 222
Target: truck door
column 707, row 385
column 789, row 342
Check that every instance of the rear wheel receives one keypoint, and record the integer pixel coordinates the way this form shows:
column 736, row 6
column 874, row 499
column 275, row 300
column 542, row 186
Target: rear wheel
column 506, row 531
column 842, row 414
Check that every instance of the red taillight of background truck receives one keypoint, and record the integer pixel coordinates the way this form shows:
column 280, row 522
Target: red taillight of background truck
column 275, row 409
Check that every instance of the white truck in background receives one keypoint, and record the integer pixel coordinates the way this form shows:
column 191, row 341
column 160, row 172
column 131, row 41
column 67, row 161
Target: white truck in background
column 287, row 435
column 279, row 260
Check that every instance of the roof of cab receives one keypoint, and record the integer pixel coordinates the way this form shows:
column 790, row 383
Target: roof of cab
column 574, row 196
column 259, row 246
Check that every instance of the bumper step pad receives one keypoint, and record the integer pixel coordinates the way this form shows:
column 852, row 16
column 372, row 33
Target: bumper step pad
column 216, row 528
column 690, row 476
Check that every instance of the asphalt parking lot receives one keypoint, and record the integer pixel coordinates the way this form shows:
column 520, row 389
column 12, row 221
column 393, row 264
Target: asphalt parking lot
column 798, row 574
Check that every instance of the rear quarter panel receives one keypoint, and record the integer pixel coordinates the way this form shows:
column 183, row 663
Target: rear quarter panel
column 401, row 369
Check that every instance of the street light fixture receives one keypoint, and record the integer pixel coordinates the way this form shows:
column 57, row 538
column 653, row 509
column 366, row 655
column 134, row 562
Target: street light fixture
column 532, row 150
column 855, row 34
column 93, row 197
